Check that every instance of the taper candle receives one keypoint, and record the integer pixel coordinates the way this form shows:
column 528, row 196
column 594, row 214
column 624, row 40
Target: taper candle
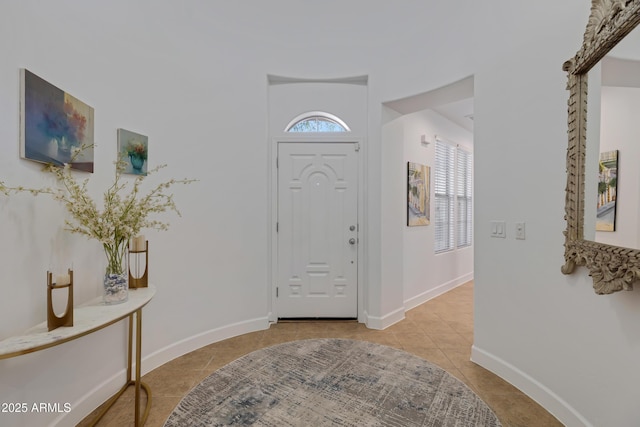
column 139, row 243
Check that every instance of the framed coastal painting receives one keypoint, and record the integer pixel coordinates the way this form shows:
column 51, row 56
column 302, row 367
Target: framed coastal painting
column 55, row 127
column 133, row 148
column 417, row 194
column 607, row 191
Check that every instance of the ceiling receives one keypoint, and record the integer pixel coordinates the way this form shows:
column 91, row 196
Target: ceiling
column 459, row 112
column 454, row 102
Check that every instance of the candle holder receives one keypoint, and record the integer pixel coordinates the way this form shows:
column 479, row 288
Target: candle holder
column 53, row 320
column 137, row 280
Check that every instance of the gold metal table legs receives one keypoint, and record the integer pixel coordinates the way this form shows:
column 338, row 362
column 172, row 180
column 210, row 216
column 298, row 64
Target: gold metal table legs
column 135, row 382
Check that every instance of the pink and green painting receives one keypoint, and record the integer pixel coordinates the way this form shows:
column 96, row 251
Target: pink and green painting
column 55, row 126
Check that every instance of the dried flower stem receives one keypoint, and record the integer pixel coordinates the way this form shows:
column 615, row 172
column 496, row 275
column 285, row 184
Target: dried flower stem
column 121, row 218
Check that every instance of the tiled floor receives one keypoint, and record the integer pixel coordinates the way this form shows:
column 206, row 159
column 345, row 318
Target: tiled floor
column 440, row 330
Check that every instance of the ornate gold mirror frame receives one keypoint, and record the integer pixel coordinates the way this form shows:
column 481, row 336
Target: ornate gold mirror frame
column 613, row 268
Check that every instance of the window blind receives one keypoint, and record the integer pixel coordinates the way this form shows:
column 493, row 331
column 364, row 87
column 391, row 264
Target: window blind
column 464, row 197
column 444, row 196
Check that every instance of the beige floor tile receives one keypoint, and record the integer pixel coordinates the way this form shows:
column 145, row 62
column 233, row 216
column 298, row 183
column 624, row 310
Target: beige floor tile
column 413, row 339
column 461, row 358
column 172, row 382
column 450, row 341
column 486, row 381
column 518, row 410
column 437, row 327
column 406, row 326
column 279, row 338
column 422, row 315
column 197, row 359
column 461, row 326
column 456, row 316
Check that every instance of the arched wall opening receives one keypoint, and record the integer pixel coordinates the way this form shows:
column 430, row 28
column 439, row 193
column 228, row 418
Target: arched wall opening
column 410, row 127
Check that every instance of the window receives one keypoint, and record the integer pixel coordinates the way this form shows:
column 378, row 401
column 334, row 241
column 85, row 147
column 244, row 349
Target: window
column 464, row 195
column 443, row 182
column 453, row 197
column 317, row 121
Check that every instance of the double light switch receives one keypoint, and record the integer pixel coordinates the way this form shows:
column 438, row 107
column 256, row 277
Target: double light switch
column 499, row 229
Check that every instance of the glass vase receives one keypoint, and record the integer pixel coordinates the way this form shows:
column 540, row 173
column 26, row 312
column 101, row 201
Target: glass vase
column 116, row 287
column 116, row 277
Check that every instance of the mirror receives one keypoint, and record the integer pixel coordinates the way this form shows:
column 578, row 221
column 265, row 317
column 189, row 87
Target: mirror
column 612, row 145
column 612, row 266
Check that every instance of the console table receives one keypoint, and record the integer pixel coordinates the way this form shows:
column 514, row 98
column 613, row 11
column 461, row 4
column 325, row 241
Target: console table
column 88, row 318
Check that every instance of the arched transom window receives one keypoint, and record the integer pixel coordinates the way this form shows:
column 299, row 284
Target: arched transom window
column 317, row 121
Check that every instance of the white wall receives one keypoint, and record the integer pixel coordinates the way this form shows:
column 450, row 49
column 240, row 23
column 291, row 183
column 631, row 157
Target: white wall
column 192, row 76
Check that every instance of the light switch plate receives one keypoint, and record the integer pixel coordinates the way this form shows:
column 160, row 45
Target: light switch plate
column 498, row 229
column 520, row 231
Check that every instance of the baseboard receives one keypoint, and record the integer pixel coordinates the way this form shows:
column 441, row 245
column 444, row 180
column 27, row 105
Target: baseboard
column 537, row 391
column 108, row 388
column 437, row 291
column 374, row 322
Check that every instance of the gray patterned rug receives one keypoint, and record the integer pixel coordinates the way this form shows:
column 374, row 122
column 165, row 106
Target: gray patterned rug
column 331, row 382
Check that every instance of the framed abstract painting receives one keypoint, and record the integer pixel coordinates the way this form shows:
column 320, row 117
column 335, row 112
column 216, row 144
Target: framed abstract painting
column 417, row 194
column 55, row 127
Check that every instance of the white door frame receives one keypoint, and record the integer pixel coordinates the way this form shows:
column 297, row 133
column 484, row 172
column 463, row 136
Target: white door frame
column 273, row 213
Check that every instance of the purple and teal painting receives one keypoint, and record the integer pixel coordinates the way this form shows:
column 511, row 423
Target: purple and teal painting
column 55, row 125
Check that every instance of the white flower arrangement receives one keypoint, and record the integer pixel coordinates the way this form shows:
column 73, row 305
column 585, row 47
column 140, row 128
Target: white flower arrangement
column 122, row 216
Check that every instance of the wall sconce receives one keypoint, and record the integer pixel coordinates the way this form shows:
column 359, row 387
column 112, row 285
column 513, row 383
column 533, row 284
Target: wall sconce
column 423, row 141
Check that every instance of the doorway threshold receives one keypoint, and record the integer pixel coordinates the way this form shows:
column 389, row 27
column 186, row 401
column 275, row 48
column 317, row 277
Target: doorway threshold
column 317, row 320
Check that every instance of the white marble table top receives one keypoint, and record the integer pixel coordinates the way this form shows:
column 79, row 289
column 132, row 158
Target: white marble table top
column 87, row 318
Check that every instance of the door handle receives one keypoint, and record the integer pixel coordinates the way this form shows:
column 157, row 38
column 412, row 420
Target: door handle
column 352, row 241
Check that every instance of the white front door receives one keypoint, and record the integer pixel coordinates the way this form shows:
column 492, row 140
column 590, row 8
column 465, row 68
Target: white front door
column 317, row 230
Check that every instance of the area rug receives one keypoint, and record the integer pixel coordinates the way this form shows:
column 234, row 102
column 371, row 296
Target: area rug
column 331, row 382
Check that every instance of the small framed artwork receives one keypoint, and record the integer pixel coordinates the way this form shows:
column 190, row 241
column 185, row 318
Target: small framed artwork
column 133, row 148
column 607, row 191
column 418, row 194
column 55, row 127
